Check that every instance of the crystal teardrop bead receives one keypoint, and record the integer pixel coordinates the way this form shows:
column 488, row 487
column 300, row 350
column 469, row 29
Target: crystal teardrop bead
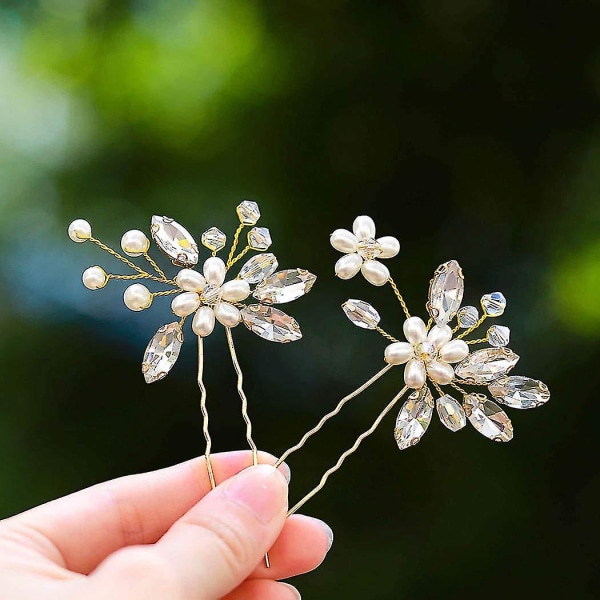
column 467, row 317
column 175, row 241
column 484, row 366
column 414, row 418
column 451, row 413
column 498, row 336
column 445, row 292
column 488, row 418
column 361, row 313
column 258, row 268
column 162, row 352
column 493, row 304
column 520, row 392
column 285, row 286
column 271, row 323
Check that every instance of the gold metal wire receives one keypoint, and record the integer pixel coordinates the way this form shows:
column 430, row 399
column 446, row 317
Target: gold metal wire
column 166, row 292
column 202, row 387
column 331, row 414
column 437, row 387
column 480, row 341
column 348, row 452
column 234, row 245
column 385, row 334
column 472, row 328
column 154, row 265
column 457, row 387
column 242, row 253
column 399, row 296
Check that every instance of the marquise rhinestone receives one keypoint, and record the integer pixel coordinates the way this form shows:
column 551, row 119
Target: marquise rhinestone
column 248, row 212
column 451, row 413
column 498, row 336
column 467, row 317
column 493, row 304
column 258, row 268
column 259, row 238
column 488, row 418
column 520, row 392
column 484, row 366
column 271, row 323
column 162, row 352
column 175, row 241
column 361, row 313
column 446, row 292
column 285, row 286
column 414, row 418
column 214, row 239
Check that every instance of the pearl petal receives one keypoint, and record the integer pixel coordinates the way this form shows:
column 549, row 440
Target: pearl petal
column 364, row 228
column 137, row 297
column 185, row 304
column 398, row 353
column 135, row 243
column 415, row 330
column 348, row 266
column 80, row 230
column 414, row 374
column 390, row 246
column 440, row 372
column 215, row 270
column 190, row 280
column 94, row 278
column 439, row 335
column 227, row 314
column 204, row 321
column 344, row 241
column 235, row 290
column 375, row 272
column 454, row 351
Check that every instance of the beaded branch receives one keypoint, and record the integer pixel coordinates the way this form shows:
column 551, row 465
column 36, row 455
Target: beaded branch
column 433, row 352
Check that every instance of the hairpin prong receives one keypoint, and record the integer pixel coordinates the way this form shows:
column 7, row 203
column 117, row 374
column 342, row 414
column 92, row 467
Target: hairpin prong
column 204, row 411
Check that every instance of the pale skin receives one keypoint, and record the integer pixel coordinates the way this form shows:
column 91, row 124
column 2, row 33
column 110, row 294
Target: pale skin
column 165, row 536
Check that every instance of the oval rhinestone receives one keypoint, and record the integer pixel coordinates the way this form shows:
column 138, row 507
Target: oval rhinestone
column 162, row 352
column 175, row 241
column 414, row 418
column 488, row 418
column 520, row 392
column 451, row 413
column 484, row 366
column 259, row 267
column 285, row 286
column 361, row 313
column 271, row 323
column 445, row 292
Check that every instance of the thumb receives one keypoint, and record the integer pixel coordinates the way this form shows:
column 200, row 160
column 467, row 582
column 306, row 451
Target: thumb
column 212, row 549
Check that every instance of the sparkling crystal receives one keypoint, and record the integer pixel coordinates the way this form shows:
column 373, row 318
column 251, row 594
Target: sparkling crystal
column 271, row 323
column 361, row 313
column 162, row 352
column 467, row 316
column 259, row 267
column 214, row 239
column 175, row 241
column 210, row 294
column 488, row 418
column 493, row 304
column 414, row 418
column 520, row 392
column 426, row 351
column 369, row 249
column 451, row 413
column 285, row 286
column 498, row 336
column 484, row 366
column 259, row 238
column 445, row 292
column 248, row 212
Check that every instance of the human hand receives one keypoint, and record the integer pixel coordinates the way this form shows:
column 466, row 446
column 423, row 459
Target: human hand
column 164, row 536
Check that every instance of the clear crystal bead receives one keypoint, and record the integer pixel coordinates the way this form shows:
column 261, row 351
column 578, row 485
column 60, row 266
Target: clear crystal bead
column 498, row 336
column 488, row 418
column 285, row 286
column 210, row 295
column 414, row 418
column 361, row 313
column 520, row 392
column 467, row 316
column 271, row 323
column 369, row 249
column 451, row 413
column 258, row 268
column 493, row 304
column 162, row 352
column 484, row 366
column 175, row 241
column 214, row 239
column 445, row 292
column 259, row 238
column 426, row 351
column 248, row 212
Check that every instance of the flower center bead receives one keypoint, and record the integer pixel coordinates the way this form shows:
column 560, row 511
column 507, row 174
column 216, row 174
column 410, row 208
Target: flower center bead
column 426, row 351
column 369, row 249
column 211, row 294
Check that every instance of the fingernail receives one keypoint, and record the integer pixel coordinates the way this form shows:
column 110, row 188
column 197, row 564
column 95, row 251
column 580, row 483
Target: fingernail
column 261, row 489
column 293, row 590
column 286, row 471
column 328, row 531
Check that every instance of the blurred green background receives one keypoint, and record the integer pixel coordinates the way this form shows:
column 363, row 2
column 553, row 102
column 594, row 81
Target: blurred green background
column 470, row 129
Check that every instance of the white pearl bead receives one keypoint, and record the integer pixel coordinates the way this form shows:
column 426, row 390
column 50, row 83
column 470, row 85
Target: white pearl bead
column 135, row 243
column 235, row 290
column 348, row 266
column 80, row 230
column 440, row 372
column 454, row 351
column 227, row 314
column 375, row 272
column 185, row 304
column 94, row 278
column 415, row 331
column 439, row 335
column 344, row 241
column 215, row 270
column 137, row 297
column 414, row 374
column 364, row 228
column 204, row 321
column 390, row 246
column 190, row 280
column 398, row 353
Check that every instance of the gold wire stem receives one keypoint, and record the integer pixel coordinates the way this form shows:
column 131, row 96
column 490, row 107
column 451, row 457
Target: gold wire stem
column 385, row 334
column 457, row 387
column 154, row 265
column 399, row 296
column 348, row 452
column 438, row 388
column 234, row 245
column 331, row 414
column 429, row 323
column 166, row 292
column 472, row 328
column 202, row 387
column 480, row 341
column 240, row 389
column 242, row 253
